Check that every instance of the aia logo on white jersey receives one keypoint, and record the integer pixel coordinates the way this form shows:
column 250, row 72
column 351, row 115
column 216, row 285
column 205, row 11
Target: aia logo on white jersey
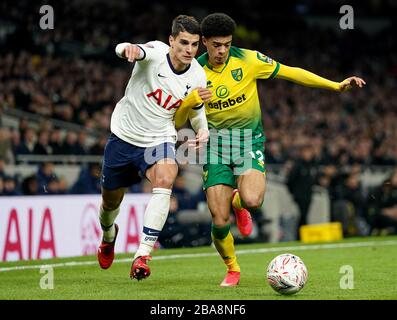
column 165, row 103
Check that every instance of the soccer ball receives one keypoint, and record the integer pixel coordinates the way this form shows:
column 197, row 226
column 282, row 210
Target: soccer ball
column 287, row 274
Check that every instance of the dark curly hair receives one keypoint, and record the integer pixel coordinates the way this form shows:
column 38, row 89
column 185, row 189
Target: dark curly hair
column 183, row 23
column 217, row 25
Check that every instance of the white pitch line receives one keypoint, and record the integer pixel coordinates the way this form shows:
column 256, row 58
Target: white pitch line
column 209, row 254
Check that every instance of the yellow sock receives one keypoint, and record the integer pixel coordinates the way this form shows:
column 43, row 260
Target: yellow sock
column 237, row 203
column 225, row 246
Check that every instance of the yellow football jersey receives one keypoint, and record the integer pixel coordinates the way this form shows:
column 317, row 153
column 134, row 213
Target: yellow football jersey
column 235, row 101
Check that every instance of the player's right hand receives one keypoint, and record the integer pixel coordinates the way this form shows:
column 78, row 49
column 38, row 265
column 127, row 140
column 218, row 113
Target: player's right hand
column 205, row 94
column 131, row 52
column 195, row 98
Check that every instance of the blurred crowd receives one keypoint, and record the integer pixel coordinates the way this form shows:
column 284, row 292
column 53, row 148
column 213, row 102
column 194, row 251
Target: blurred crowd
column 44, row 140
column 362, row 210
column 41, row 74
column 71, row 74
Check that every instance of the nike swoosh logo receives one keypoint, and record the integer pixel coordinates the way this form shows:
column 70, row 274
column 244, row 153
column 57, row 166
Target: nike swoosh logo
column 161, row 76
column 153, row 232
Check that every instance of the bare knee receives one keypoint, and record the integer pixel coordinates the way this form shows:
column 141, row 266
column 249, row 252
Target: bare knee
column 253, row 201
column 165, row 181
column 220, row 217
column 219, row 199
column 220, row 221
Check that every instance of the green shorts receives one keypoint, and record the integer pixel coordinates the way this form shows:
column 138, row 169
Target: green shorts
column 225, row 163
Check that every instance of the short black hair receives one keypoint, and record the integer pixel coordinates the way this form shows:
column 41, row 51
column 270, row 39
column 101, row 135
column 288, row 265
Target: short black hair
column 217, row 25
column 183, row 23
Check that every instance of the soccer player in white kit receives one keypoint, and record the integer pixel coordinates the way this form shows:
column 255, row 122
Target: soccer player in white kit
column 142, row 142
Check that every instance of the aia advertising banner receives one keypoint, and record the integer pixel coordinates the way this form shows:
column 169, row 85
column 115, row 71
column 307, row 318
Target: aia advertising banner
column 41, row 227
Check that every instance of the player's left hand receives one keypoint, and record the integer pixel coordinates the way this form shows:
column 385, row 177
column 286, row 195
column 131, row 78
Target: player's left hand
column 351, row 82
column 201, row 138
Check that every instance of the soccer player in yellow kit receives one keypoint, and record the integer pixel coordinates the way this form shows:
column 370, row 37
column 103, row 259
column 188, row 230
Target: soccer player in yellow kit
column 234, row 177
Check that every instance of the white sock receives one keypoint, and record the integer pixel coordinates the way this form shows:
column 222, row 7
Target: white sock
column 106, row 218
column 153, row 222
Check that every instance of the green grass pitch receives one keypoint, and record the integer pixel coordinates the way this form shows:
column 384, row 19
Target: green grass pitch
column 195, row 274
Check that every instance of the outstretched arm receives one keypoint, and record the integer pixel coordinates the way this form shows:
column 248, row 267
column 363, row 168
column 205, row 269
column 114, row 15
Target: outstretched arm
column 129, row 51
column 309, row 79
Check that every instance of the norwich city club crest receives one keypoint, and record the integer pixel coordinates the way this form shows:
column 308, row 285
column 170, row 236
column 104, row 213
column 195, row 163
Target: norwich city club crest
column 237, row 74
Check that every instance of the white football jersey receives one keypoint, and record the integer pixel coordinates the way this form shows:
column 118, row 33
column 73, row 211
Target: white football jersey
column 145, row 115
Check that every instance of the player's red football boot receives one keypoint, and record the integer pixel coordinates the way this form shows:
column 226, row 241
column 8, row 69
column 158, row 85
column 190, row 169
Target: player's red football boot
column 139, row 268
column 232, row 279
column 106, row 251
column 243, row 218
